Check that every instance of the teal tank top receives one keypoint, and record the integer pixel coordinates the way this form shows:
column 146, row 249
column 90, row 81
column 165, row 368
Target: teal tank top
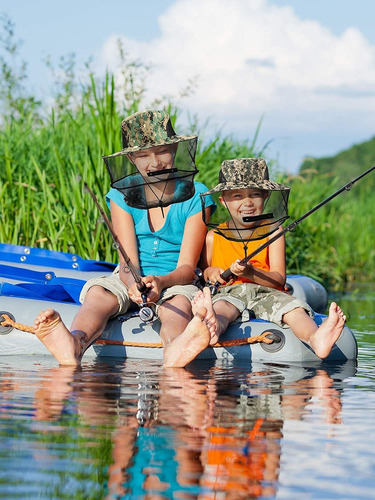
column 159, row 250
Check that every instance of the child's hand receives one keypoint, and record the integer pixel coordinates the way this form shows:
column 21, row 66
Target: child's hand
column 153, row 295
column 213, row 274
column 154, row 284
column 240, row 269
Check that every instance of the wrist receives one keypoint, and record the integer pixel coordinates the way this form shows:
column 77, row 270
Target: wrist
column 160, row 280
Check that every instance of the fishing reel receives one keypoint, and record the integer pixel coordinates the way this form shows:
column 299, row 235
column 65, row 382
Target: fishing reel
column 146, row 313
column 201, row 283
column 213, row 287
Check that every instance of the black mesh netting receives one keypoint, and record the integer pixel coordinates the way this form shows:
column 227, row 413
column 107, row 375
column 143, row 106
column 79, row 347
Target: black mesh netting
column 159, row 186
column 244, row 218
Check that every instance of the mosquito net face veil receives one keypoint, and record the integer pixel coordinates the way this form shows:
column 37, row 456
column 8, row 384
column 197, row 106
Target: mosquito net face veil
column 250, row 206
column 156, row 167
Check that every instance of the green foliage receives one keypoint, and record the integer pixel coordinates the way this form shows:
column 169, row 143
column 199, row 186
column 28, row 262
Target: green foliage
column 345, row 165
column 335, row 244
column 40, row 182
column 46, row 156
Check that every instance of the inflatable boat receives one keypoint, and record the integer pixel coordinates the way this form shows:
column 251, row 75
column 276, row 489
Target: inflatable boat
column 33, row 279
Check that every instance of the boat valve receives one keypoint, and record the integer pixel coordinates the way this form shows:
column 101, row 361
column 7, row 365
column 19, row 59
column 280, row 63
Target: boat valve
column 5, row 328
column 278, row 340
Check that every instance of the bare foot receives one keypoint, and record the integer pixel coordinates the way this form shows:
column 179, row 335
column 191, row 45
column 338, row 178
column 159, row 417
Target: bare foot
column 322, row 387
column 193, row 340
column 326, row 335
column 66, row 347
column 53, row 393
column 204, row 299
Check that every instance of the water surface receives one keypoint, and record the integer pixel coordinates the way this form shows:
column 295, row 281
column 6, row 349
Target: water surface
column 128, row 429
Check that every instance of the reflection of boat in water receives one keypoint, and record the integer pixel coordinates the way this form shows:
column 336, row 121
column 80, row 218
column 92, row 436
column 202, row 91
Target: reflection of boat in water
column 34, row 279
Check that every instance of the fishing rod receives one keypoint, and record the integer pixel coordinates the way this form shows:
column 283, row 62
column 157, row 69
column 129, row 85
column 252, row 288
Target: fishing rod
column 227, row 274
column 145, row 312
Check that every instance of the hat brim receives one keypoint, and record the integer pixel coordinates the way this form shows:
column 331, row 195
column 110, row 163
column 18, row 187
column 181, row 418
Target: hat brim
column 170, row 140
column 230, row 186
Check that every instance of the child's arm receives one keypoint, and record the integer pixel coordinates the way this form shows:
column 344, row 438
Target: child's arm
column 206, row 255
column 123, row 226
column 276, row 276
column 210, row 273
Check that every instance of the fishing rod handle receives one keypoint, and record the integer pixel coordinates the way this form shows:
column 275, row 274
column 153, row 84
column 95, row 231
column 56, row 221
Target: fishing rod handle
column 142, row 288
column 227, row 275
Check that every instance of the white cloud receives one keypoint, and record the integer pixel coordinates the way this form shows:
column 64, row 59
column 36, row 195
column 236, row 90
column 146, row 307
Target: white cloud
column 255, row 58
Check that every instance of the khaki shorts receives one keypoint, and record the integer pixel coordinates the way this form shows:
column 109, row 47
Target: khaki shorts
column 113, row 284
column 264, row 302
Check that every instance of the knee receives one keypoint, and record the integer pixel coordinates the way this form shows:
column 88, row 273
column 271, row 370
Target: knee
column 297, row 313
column 99, row 294
column 176, row 305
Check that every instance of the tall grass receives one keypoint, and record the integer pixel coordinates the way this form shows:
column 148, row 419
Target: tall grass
column 335, row 244
column 42, row 201
column 46, row 157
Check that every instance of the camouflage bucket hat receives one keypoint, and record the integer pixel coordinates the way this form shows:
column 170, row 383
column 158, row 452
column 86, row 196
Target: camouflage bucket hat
column 146, row 129
column 245, row 173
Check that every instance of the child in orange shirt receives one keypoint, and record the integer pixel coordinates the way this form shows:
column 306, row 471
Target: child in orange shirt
column 259, row 284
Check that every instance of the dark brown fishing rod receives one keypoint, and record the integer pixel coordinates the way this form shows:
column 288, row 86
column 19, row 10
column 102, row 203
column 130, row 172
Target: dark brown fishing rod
column 145, row 313
column 227, row 274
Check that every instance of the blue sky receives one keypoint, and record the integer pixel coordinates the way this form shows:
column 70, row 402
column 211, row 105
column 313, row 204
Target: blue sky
column 307, row 66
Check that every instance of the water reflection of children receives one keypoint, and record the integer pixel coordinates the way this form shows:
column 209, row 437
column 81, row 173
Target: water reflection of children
column 163, row 246
column 187, row 433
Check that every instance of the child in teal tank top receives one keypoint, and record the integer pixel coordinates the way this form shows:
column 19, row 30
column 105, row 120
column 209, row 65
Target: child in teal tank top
column 164, row 246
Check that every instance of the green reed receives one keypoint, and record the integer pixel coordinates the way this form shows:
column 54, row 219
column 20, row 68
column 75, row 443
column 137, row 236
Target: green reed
column 335, row 244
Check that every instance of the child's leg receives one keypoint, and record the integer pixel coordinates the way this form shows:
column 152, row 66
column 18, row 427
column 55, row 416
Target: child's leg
column 188, row 344
column 67, row 346
column 174, row 315
column 183, row 338
column 321, row 339
column 219, row 315
column 183, row 341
